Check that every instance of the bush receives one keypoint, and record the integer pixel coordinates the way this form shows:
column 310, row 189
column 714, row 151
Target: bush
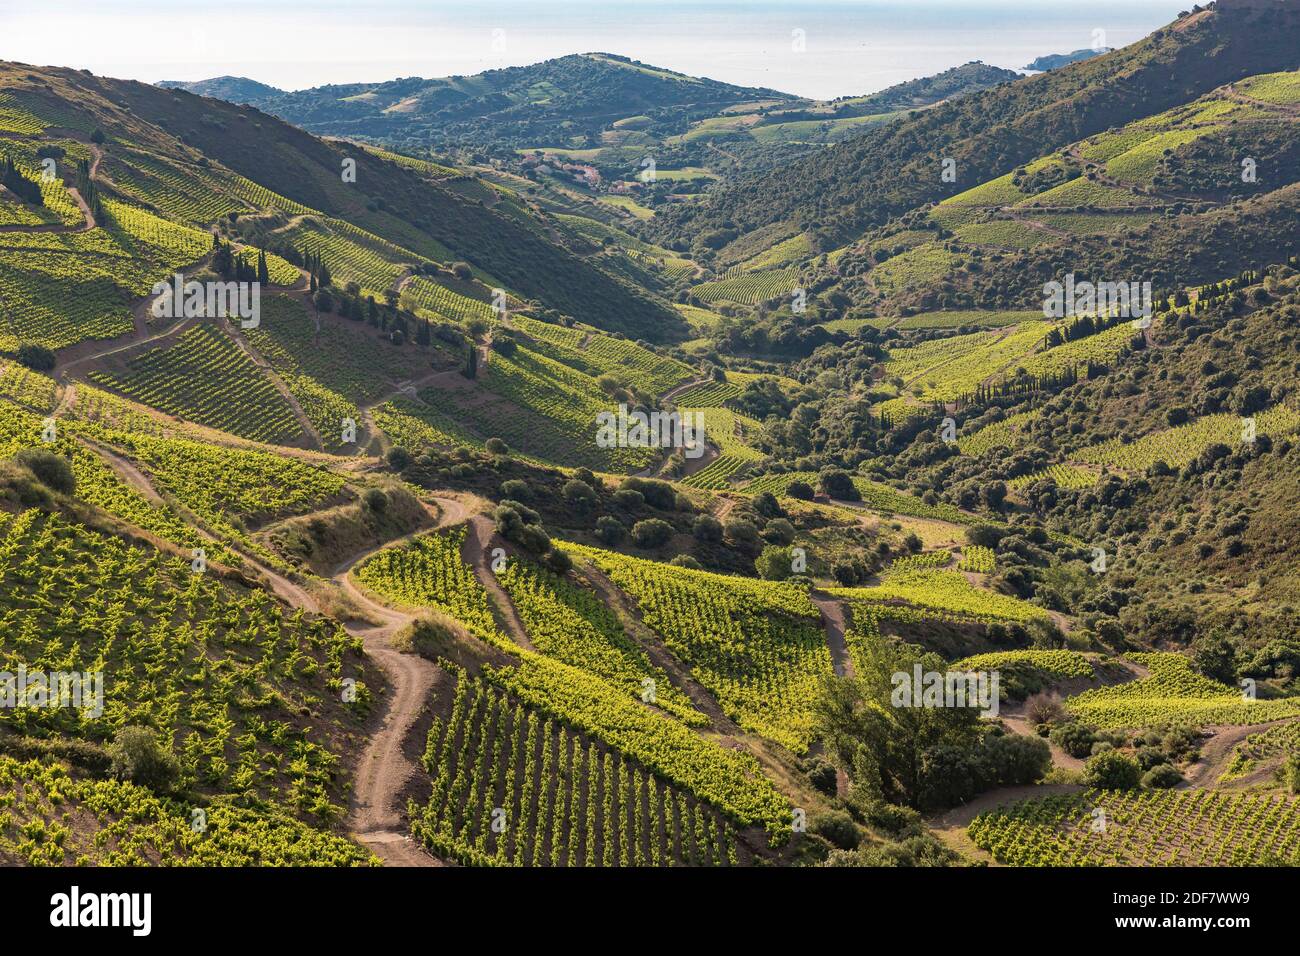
column 686, row 561
column 801, row 490
column 658, row 494
column 51, row 470
column 651, row 533
column 707, row 529
column 838, row 483
column 559, row 561
column 517, row 489
column 1043, row 708
column 837, row 828
column 823, row 777
column 579, row 494
column 1074, row 738
column 774, row 564
column 496, row 446
column 779, row 531
column 398, row 458
column 610, row 530
column 375, row 501
column 741, row 532
column 38, row 358
column 629, row 499
column 1112, row 770
column 137, row 756
column 1161, row 777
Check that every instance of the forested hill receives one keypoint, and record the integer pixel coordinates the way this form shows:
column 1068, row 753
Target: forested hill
column 232, row 89
column 388, row 199
column 838, row 193
column 585, row 91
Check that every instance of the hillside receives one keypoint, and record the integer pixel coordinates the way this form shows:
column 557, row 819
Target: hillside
column 859, row 184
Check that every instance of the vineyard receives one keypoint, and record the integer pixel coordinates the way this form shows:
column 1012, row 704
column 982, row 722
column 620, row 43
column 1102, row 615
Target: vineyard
column 429, row 572
column 512, row 786
column 421, row 294
column 748, row 288
column 220, row 673
column 729, row 780
column 1179, row 446
column 1280, row 740
column 1060, row 665
column 1146, row 828
column 943, row 591
column 977, row 559
column 1174, row 694
column 205, row 378
column 598, row 353
column 727, row 430
column 573, row 626
column 50, row 817
column 757, row 645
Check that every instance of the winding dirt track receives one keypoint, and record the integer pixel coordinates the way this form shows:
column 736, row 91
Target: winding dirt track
column 383, row 769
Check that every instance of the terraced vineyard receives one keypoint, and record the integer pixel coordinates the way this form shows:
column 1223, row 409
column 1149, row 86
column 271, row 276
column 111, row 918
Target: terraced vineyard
column 748, row 288
column 513, row 786
column 756, row 645
column 421, row 294
column 1150, row 828
column 189, row 656
column 430, row 573
column 942, row 591
column 728, row 430
column 122, row 824
column 572, row 625
column 1174, row 694
column 205, row 378
column 1179, row 446
column 1280, row 740
column 1060, row 665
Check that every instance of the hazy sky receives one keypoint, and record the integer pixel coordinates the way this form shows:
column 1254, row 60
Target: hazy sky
column 850, row 46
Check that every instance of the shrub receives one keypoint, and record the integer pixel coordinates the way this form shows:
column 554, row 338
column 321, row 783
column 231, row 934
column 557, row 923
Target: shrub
column 1161, row 777
column 1112, row 770
column 1043, row 708
column 137, row 756
column 651, row 533
column 610, row 530
column 496, row 446
column 629, row 499
column 517, row 489
column 38, row 358
column 707, row 529
column 1074, row 738
column 801, row 490
column 51, row 470
column 774, row 564
column 823, row 777
column 837, row 828
column 559, row 561
column 779, row 531
column 579, row 494
column 375, row 501
column 398, row 458
column 686, row 561
column 838, row 483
